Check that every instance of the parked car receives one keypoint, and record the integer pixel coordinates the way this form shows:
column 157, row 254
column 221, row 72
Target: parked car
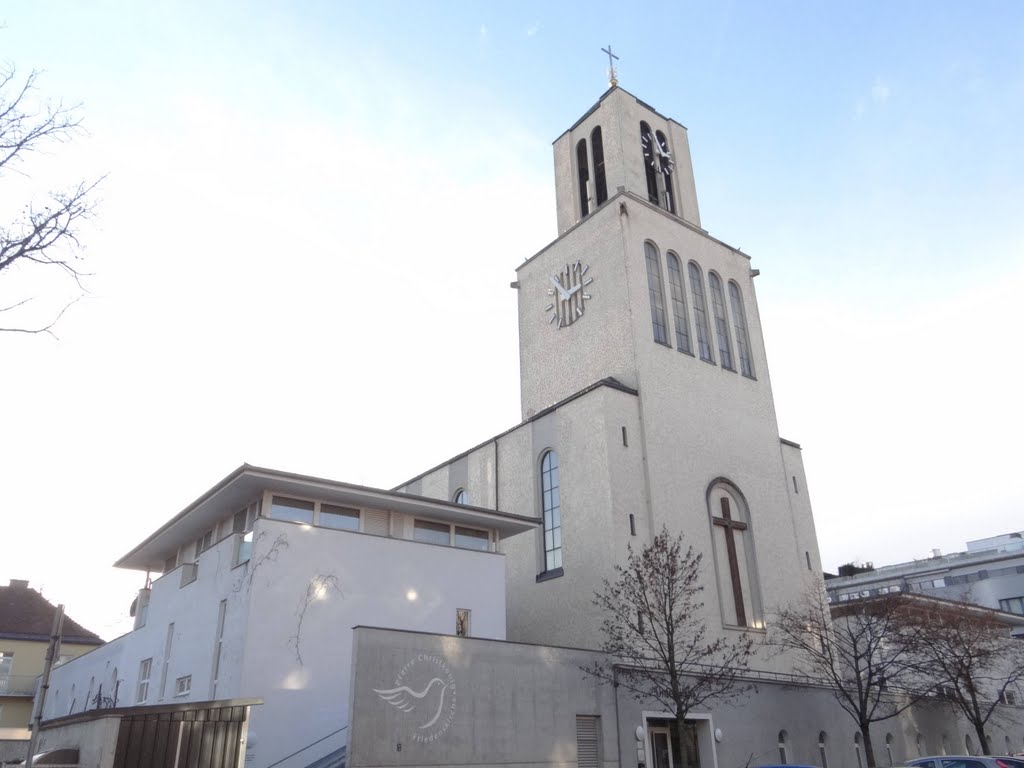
column 966, row 761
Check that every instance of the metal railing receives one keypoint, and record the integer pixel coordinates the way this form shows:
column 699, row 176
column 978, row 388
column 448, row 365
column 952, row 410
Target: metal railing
column 18, row 685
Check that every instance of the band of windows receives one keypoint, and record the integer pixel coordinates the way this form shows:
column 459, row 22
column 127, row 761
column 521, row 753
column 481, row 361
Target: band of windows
column 727, row 334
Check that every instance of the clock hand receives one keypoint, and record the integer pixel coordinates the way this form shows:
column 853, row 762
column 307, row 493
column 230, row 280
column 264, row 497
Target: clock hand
column 574, row 289
column 561, row 291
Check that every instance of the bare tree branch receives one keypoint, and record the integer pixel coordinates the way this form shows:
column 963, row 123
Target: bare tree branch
column 654, row 638
column 45, row 234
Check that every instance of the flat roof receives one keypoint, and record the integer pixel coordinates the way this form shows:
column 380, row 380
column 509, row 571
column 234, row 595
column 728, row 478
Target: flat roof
column 245, row 484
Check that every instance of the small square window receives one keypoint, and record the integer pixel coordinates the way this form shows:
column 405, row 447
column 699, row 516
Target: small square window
column 471, row 538
column 462, row 622
column 342, row 518
column 432, row 533
column 295, row 510
column 183, row 686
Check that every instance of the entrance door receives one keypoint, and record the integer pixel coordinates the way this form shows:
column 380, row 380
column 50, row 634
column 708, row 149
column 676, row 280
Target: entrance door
column 667, row 752
column 661, row 748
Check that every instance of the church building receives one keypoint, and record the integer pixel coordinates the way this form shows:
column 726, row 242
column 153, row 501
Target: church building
column 446, row 621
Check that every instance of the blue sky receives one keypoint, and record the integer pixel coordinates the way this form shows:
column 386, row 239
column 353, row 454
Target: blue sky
column 312, row 213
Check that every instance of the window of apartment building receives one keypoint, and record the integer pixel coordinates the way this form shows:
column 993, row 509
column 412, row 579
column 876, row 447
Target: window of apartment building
column 783, row 748
column 341, row 518
column 472, row 538
column 294, row 510
column 171, row 563
column 1012, row 605
column 183, row 686
column 462, row 622
column 202, row 544
column 430, row 532
column 6, row 662
column 142, row 692
column 1008, row 697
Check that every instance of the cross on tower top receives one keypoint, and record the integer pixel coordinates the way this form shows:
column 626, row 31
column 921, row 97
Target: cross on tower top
column 613, row 79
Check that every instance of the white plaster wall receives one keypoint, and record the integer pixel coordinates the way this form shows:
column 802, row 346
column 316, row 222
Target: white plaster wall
column 194, row 609
column 298, row 650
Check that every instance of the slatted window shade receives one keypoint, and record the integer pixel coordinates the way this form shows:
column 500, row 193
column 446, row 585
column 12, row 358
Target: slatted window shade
column 377, row 522
column 587, row 741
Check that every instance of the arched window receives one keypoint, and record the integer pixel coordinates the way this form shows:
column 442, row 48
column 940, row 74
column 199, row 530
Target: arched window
column 969, row 745
column 945, row 744
column 856, row 749
column 823, row 749
column 721, row 322
column 919, row 743
column 783, row 751
column 552, row 511
column 679, row 313
column 461, row 497
column 735, row 565
column 888, row 748
column 656, row 290
column 583, row 172
column 700, row 312
column 739, row 326
column 600, row 183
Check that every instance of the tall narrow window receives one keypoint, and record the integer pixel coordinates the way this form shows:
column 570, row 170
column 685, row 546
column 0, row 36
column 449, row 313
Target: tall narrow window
column 700, row 312
column 552, row 511
column 739, row 325
column 856, row 748
column 461, row 497
column 650, row 162
column 657, row 292
column 783, row 749
column 600, row 182
column 142, row 692
column 666, row 165
column 218, row 648
column 823, row 749
column 721, row 321
column 583, row 171
column 888, row 748
column 679, row 313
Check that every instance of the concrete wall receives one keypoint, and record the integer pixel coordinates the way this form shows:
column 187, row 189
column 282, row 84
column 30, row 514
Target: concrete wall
column 95, row 740
column 515, row 705
column 309, row 588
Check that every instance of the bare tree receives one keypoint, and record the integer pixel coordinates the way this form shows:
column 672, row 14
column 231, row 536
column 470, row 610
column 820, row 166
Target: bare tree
column 43, row 234
column 967, row 650
column 862, row 650
column 654, row 635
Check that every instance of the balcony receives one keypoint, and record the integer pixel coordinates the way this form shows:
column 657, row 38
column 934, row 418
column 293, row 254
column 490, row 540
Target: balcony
column 18, row 685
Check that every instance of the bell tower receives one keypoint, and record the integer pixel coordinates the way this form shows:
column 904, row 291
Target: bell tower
column 623, row 144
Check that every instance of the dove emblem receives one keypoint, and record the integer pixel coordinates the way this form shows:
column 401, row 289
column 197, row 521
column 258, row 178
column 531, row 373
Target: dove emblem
column 425, row 690
column 406, row 699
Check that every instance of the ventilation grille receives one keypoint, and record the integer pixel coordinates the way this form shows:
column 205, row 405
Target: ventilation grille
column 586, row 741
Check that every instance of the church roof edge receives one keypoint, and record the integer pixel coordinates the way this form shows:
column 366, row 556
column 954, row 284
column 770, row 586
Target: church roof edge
column 637, row 199
column 606, row 382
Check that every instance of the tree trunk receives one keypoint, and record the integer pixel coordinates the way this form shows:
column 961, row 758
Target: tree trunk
column 869, row 750
column 982, row 739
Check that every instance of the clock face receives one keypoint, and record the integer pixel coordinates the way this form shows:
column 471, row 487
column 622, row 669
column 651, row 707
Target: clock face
column 568, row 294
column 656, row 152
